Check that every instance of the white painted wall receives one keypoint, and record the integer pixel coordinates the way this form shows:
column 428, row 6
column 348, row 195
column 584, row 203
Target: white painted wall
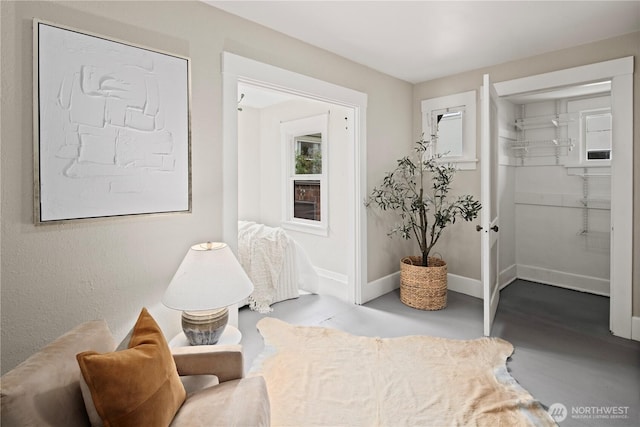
column 249, row 165
column 548, row 238
column 259, row 132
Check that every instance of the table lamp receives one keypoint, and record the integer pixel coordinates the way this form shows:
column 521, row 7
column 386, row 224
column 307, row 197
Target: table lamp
column 208, row 280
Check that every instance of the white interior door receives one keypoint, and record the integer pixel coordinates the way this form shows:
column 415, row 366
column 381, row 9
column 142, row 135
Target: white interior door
column 489, row 200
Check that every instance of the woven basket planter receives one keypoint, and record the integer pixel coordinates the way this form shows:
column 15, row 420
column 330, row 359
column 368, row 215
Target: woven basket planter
column 424, row 288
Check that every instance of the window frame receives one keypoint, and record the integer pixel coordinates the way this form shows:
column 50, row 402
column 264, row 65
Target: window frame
column 582, row 108
column 466, row 103
column 584, row 117
column 290, row 131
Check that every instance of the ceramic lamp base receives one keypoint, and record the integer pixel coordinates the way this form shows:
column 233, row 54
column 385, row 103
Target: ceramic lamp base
column 204, row 327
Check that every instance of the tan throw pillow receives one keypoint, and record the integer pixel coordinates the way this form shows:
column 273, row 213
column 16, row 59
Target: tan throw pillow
column 138, row 386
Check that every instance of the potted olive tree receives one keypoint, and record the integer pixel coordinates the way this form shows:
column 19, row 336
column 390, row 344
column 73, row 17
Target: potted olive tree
column 418, row 190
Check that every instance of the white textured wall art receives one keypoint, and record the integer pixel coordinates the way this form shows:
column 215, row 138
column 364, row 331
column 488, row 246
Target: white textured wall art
column 112, row 127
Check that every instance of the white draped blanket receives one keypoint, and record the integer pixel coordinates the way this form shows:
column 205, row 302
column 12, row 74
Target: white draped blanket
column 324, row 377
column 262, row 252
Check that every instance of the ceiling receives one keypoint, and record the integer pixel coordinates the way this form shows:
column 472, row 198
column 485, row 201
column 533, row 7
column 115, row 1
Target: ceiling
column 419, row 41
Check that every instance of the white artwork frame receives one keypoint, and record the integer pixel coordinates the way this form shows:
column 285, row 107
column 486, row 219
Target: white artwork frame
column 111, row 127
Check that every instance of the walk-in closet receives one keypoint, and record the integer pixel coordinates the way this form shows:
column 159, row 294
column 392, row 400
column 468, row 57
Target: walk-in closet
column 555, row 204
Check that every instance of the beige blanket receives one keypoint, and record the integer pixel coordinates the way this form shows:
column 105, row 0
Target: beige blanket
column 262, row 252
column 324, row 377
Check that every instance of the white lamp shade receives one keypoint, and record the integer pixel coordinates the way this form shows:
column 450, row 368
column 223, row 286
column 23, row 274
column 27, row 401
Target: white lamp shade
column 208, row 278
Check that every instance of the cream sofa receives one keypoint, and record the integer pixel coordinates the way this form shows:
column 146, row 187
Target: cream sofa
column 44, row 390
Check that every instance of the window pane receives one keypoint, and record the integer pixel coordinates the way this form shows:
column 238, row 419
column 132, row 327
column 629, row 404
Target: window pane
column 308, row 154
column 598, row 136
column 449, row 133
column 306, row 200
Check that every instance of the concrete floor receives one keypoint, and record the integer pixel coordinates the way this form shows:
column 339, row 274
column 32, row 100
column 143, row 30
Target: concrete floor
column 564, row 352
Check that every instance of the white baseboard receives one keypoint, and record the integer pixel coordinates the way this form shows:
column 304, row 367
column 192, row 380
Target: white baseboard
column 635, row 328
column 388, row 283
column 508, row 276
column 464, row 285
column 332, row 283
column 380, row 287
column 576, row 282
column 473, row 287
column 338, row 277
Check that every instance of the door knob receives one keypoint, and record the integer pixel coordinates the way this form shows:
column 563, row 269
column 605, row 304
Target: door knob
column 478, row 228
column 495, row 228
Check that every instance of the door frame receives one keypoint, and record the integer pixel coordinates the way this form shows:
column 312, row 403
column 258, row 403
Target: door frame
column 237, row 69
column 620, row 72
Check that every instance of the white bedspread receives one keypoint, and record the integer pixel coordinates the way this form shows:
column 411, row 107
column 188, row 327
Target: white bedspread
column 268, row 256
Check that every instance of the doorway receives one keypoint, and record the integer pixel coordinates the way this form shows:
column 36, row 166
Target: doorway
column 292, row 157
column 617, row 73
column 239, row 70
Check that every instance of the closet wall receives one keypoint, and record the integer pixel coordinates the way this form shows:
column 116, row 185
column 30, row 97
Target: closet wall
column 560, row 201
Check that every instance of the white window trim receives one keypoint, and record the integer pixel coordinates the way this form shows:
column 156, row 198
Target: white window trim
column 584, row 115
column 463, row 101
column 288, row 132
column 580, row 108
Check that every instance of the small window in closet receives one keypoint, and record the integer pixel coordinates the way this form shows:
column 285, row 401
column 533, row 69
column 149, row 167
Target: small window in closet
column 597, row 136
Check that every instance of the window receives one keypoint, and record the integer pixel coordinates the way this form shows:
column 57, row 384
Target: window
column 448, row 126
column 597, row 135
column 590, row 129
column 452, row 120
column 307, row 200
column 308, row 154
column 305, row 174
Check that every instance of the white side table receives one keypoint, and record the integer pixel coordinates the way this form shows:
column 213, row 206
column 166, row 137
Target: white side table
column 230, row 336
